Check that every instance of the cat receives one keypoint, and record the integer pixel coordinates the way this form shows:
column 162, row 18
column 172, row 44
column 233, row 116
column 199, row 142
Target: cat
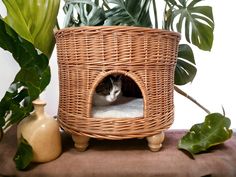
column 107, row 91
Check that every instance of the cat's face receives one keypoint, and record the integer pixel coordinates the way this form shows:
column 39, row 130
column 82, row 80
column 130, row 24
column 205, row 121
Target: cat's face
column 114, row 92
column 110, row 88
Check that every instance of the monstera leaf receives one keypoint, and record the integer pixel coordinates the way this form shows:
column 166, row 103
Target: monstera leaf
column 88, row 13
column 34, row 21
column 24, row 154
column 213, row 131
column 29, row 82
column 185, row 70
column 196, row 20
column 131, row 13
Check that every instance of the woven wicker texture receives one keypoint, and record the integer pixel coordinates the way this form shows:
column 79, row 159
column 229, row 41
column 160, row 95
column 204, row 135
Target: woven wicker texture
column 145, row 56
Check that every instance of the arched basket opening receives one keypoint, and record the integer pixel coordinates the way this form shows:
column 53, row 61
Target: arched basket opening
column 130, row 102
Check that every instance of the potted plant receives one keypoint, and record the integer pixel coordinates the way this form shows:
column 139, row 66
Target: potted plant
column 194, row 21
column 27, row 33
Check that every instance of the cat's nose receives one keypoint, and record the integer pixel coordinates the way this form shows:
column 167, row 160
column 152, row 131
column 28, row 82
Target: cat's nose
column 113, row 98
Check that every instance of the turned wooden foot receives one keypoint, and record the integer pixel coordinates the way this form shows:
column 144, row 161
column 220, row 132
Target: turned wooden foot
column 155, row 141
column 81, row 142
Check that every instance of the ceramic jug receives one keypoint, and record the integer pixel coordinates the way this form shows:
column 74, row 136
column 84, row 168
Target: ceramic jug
column 42, row 133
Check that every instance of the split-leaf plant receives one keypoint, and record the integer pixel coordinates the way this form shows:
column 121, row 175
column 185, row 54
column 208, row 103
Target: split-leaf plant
column 190, row 18
column 27, row 33
column 27, row 29
column 213, row 131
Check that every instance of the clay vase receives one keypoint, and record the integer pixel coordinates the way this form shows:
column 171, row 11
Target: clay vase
column 42, row 133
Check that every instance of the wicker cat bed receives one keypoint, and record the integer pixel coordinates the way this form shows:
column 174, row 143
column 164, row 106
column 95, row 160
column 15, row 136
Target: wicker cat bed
column 146, row 57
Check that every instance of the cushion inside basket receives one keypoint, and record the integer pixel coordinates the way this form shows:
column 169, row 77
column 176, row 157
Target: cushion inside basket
column 124, row 107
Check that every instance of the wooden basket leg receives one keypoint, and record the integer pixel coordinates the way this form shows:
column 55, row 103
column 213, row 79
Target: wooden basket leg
column 155, row 141
column 81, row 142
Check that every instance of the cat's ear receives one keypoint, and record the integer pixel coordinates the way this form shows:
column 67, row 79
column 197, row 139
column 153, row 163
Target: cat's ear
column 118, row 77
column 111, row 80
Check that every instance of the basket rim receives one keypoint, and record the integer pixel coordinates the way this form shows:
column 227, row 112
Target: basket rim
column 118, row 28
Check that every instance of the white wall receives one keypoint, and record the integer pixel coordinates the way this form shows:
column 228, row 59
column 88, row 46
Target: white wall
column 214, row 85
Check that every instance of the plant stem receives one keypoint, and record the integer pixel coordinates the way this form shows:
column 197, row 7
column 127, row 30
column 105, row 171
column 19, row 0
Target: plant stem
column 57, row 27
column 155, row 13
column 105, row 5
column 164, row 18
column 181, row 92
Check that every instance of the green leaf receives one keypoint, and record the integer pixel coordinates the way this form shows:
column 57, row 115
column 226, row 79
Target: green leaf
column 45, row 78
column 185, row 70
column 88, row 13
column 213, row 131
column 131, row 13
column 34, row 21
column 24, row 154
column 197, row 21
column 29, row 82
column 94, row 17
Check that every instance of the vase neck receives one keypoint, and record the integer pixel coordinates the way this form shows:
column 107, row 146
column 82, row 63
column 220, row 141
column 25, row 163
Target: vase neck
column 39, row 107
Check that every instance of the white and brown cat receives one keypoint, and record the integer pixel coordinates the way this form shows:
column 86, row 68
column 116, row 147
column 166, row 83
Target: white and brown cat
column 107, row 91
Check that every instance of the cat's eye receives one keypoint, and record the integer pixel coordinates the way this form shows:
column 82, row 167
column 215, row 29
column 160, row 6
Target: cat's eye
column 117, row 91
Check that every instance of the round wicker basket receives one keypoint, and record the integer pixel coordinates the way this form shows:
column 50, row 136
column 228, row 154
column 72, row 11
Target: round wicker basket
column 145, row 56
